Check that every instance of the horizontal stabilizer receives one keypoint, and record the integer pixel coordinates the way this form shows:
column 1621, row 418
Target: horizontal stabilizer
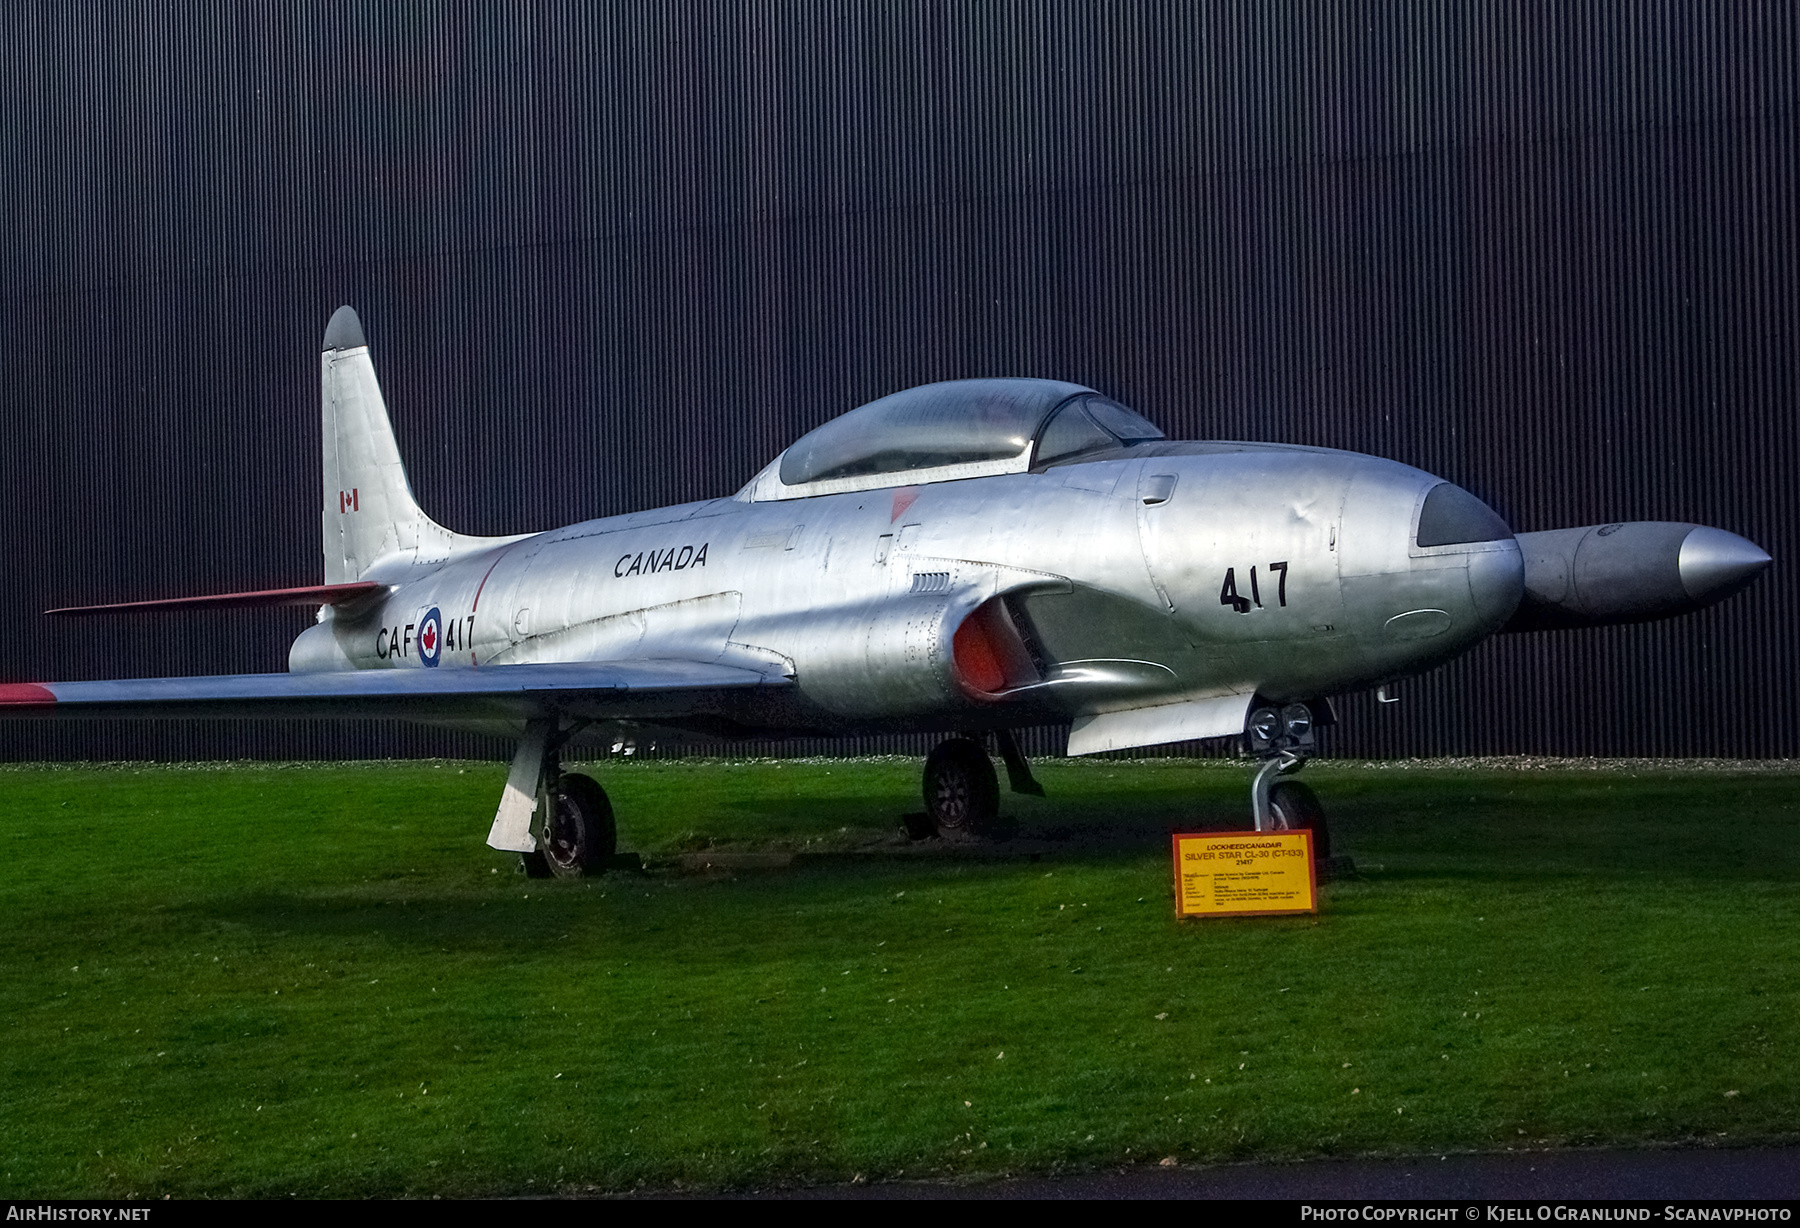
column 639, row 689
column 312, row 594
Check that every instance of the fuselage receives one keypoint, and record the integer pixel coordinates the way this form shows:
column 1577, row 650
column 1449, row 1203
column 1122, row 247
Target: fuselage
column 1153, row 574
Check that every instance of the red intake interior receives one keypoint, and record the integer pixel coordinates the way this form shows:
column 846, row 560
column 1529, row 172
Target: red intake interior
column 977, row 659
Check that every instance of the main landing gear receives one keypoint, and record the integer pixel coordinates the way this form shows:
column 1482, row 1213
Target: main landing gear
column 561, row 825
column 1282, row 739
column 962, row 793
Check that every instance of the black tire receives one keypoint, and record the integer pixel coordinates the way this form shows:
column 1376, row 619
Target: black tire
column 534, row 865
column 962, row 795
column 1297, row 808
column 580, row 836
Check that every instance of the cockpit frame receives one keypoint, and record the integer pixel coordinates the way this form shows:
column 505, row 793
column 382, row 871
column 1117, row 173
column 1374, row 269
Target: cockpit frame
column 883, row 434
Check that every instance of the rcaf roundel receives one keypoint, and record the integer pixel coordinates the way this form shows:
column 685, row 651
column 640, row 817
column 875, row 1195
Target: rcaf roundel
column 431, row 637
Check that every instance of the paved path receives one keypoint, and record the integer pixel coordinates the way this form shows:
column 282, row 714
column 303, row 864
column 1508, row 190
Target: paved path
column 1750, row 1173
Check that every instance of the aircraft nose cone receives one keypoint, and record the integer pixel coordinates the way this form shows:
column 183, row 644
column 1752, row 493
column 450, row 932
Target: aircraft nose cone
column 1715, row 564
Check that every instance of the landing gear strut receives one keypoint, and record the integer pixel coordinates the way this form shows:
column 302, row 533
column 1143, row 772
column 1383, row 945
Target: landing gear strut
column 1282, row 740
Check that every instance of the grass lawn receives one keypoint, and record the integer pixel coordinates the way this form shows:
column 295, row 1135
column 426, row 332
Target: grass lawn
column 316, row 980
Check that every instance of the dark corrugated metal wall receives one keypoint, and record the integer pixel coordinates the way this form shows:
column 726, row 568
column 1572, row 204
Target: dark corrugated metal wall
column 615, row 256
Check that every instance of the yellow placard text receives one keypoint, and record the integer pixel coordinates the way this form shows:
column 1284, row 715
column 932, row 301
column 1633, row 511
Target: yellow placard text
column 1239, row 874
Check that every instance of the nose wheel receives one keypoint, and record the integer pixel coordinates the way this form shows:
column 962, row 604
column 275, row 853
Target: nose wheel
column 1294, row 807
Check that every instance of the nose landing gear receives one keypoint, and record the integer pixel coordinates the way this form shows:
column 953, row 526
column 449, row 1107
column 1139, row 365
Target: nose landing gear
column 1282, row 739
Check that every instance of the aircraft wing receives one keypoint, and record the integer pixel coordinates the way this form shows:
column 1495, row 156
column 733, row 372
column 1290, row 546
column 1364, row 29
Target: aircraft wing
column 642, row 689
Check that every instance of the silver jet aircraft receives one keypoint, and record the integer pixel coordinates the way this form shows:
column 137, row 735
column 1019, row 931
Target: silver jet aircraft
column 966, row 558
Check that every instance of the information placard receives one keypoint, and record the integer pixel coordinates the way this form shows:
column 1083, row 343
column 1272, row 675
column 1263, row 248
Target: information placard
column 1244, row 873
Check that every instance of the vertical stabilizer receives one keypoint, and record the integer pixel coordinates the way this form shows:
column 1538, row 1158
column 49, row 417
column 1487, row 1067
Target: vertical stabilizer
column 373, row 527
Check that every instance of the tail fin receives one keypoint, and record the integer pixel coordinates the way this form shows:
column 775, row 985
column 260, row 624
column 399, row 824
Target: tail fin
column 372, row 523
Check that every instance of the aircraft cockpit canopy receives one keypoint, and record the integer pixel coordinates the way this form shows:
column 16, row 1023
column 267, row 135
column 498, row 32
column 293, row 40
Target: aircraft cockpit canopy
column 1087, row 424
column 958, row 429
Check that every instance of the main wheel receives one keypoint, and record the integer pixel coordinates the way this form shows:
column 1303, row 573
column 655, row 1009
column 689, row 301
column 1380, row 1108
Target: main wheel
column 580, row 836
column 962, row 795
column 1297, row 808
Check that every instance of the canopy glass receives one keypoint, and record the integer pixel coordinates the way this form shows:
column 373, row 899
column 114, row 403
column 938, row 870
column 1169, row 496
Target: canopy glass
column 956, row 423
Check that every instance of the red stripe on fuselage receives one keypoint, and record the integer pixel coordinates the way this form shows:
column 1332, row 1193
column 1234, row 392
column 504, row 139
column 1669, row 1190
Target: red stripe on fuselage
column 25, row 693
column 476, row 604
